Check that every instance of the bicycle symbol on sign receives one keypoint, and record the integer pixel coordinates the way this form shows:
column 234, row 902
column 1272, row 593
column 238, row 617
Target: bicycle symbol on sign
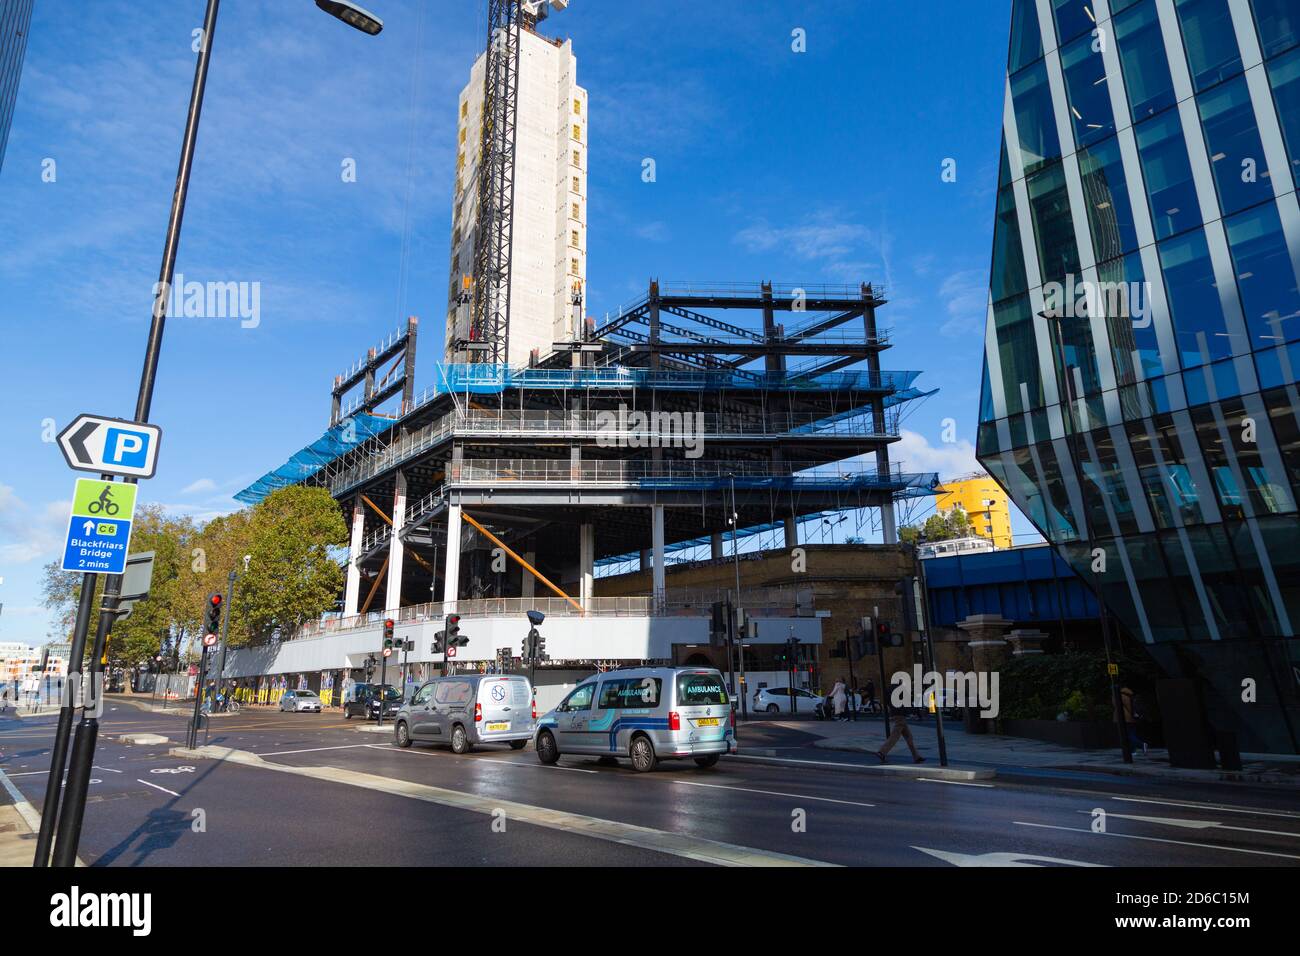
column 103, row 503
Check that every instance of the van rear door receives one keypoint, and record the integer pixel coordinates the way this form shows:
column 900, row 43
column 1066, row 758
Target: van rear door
column 506, row 705
column 703, row 704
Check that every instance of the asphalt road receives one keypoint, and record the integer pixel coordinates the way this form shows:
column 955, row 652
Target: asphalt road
column 329, row 795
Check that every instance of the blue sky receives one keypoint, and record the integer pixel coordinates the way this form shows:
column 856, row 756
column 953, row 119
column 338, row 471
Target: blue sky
column 821, row 166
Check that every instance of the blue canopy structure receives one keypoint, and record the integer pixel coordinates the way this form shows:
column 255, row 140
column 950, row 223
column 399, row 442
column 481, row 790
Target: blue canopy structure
column 341, row 438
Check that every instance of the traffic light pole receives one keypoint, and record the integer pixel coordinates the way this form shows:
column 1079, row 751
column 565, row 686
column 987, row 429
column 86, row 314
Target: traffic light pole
column 383, row 672
column 193, row 740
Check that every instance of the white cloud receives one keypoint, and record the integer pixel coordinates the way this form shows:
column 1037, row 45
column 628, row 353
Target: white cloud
column 965, row 297
column 200, row 486
column 656, row 231
column 915, row 453
column 27, row 533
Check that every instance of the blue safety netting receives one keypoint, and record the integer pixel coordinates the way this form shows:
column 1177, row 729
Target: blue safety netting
column 342, row 437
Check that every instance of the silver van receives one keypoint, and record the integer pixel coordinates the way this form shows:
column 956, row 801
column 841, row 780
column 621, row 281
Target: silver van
column 468, row 709
column 646, row 714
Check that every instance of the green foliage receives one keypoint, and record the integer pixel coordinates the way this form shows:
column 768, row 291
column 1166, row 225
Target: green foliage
column 1041, row 686
column 291, row 577
column 940, row 526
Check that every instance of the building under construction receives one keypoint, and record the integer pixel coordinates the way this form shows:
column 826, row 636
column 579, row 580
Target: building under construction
column 693, row 415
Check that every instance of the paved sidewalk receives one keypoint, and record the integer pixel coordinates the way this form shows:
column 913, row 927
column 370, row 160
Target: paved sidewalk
column 867, row 734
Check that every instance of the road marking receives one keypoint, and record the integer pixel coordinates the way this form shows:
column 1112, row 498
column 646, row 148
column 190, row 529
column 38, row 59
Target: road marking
column 311, row 750
column 156, row 787
column 504, row 761
column 1212, row 806
column 627, row 834
column 955, row 783
column 999, row 859
column 1134, row 836
column 109, row 769
column 1197, row 824
column 770, row 793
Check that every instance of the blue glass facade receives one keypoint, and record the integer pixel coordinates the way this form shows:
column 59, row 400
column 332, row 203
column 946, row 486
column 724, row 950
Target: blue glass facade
column 1140, row 397
column 15, row 20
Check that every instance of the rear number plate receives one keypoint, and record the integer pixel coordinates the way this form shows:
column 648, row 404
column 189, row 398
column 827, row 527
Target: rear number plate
column 707, row 722
column 499, row 725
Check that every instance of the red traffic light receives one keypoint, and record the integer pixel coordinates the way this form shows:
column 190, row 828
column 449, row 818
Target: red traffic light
column 388, row 623
column 216, row 600
column 453, row 619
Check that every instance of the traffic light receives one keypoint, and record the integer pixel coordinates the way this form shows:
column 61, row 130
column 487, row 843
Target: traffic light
column 453, row 636
column 718, row 623
column 212, row 619
column 885, row 635
column 530, row 644
column 388, row 634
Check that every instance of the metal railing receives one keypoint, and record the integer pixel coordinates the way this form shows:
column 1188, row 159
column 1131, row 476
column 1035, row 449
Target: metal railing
column 677, row 602
column 638, row 472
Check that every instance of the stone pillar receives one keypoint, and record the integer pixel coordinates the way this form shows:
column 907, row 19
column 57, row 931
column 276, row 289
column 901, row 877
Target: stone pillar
column 352, row 591
column 527, row 583
column 586, row 563
column 451, row 570
column 888, row 523
column 396, row 550
column 988, row 649
column 657, row 542
column 1026, row 641
column 791, row 532
column 715, row 546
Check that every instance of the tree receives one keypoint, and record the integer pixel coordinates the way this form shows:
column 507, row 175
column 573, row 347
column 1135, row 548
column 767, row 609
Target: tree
column 292, row 577
column 157, row 621
column 940, row 526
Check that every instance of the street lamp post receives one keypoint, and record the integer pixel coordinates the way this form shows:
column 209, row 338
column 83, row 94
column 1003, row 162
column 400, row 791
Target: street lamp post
column 83, row 746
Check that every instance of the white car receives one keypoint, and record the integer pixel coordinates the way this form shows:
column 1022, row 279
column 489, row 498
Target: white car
column 776, row 700
column 300, row 700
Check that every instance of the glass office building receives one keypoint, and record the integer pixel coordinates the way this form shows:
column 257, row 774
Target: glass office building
column 15, row 19
column 1140, row 400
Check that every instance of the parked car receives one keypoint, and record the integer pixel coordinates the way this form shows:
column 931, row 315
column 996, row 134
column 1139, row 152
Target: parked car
column 297, row 701
column 645, row 714
column 466, row 710
column 777, row 700
column 365, row 701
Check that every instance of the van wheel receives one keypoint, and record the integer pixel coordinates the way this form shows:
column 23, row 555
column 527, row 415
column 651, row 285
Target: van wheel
column 403, row 734
column 707, row 761
column 773, row 709
column 547, row 752
column 518, row 744
column 459, row 740
column 347, row 714
column 642, row 753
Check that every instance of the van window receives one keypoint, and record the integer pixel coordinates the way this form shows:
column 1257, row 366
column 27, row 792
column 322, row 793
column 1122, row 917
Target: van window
column 453, row 692
column 425, row 694
column 580, row 699
column 631, row 692
column 701, row 689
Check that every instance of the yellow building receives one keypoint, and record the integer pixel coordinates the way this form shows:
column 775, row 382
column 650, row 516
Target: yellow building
column 985, row 505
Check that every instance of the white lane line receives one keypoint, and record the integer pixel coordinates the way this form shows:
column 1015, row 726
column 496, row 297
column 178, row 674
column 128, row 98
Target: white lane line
column 954, row 783
column 504, row 761
column 1134, row 836
column 156, row 787
column 1284, row 814
column 109, row 769
column 310, row 750
column 770, row 793
column 575, row 824
column 1197, row 824
column 30, row 773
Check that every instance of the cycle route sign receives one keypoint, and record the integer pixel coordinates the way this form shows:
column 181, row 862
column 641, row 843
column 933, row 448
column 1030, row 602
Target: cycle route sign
column 99, row 530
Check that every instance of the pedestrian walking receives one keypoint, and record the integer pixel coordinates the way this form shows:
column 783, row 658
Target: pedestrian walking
column 869, row 691
column 838, row 698
column 1130, row 714
column 900, row 729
